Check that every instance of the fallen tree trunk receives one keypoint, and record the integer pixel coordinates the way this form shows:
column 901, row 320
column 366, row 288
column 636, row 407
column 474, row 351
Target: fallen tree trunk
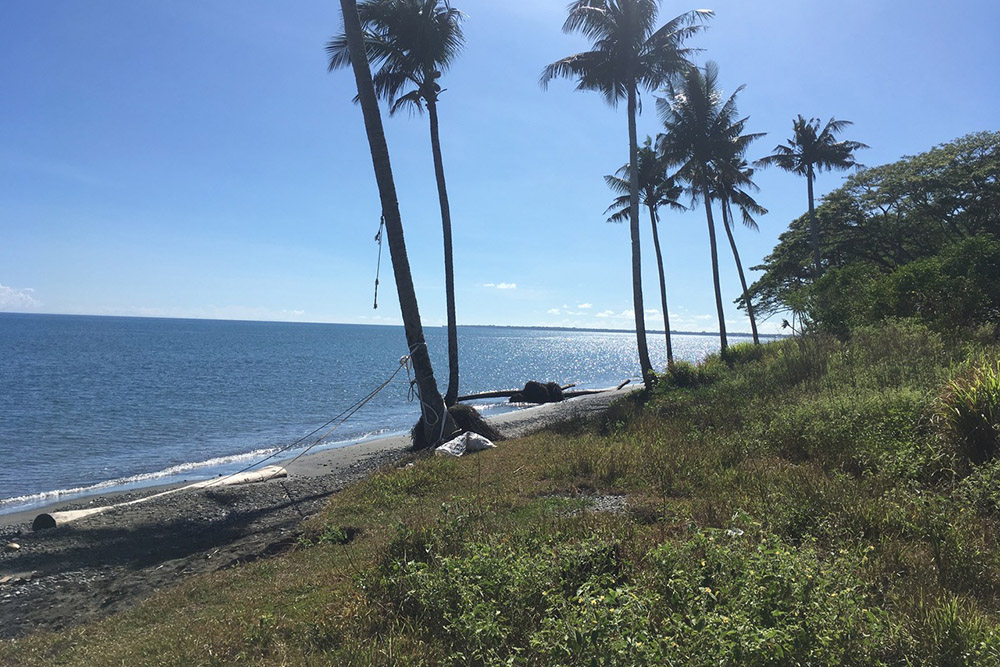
column 507, row 393
column 503, row 393
column 588, row 392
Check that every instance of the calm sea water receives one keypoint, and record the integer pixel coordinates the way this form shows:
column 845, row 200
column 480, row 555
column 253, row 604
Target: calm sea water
column 90, row 404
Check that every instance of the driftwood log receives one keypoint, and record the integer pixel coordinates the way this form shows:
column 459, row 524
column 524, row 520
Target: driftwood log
column 503, row 393
column 507, row 393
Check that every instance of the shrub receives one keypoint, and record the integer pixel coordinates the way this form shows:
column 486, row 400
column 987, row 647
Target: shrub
column 969, row 410
column 728, row 599
column 894, row 354
column 685, row 375
column 741, row 354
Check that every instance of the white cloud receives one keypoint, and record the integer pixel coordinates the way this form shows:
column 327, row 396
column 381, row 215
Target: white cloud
column 507, row 286
column 553, row 311
column 585, row 306
column 15, row 299
column 489, row 285
column 606, row 313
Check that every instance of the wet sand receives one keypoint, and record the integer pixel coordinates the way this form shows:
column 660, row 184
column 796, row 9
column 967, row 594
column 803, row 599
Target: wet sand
column 107, row 562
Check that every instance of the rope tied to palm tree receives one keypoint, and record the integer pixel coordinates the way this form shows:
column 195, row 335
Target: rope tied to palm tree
column 378, row 266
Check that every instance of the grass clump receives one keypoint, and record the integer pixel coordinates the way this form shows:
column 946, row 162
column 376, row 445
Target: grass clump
column 969, row 410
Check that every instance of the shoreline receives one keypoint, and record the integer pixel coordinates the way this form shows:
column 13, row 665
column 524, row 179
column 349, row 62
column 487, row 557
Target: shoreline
column 108, row 562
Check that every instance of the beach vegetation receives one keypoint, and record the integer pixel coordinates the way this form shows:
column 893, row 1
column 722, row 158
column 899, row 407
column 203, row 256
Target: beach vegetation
column 411, row 43
column 629, row 52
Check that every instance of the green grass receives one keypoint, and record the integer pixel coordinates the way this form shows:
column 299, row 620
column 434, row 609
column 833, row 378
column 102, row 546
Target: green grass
column 798, row 503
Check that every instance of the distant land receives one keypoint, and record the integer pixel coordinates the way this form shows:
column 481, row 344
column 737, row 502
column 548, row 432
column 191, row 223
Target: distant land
column 366, row 324
column 648, row 331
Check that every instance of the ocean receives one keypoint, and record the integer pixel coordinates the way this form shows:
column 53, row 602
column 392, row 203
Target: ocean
column 95, row 404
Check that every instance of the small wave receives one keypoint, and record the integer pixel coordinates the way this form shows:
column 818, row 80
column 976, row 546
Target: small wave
column 487, row 407
column 143, row 479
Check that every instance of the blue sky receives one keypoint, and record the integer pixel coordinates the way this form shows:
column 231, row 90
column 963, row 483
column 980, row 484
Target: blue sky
column 195, row 159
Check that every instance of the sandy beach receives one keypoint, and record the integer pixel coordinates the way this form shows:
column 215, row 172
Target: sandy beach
column 107, row 562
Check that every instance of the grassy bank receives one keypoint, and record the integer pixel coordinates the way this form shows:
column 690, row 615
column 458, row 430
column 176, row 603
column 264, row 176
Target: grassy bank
column 809, row 502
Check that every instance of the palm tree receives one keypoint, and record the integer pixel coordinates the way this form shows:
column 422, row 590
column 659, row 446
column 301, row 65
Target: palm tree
column 656, row 189
column 732, row 188
column 629, row 52
column 700, row 131
column 433, row 411
column 412, row 42
column 811, row 150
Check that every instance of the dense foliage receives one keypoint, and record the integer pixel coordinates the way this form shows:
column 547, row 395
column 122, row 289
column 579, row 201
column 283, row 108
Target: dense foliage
column 916, row 238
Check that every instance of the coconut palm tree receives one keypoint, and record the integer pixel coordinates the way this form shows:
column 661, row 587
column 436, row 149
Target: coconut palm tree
column 812, row 150
column 656, row 189
column 433, row 411
column 629, row 52
column 731, row 188
column 700, row 131
column 412, row 42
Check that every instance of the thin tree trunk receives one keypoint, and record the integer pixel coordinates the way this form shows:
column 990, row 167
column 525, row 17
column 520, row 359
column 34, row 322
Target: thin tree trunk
column 813, row 231
column 715, row 271
column 640, row 319
column 451, row 396
column 663, row 285
column 727, row 222
column 432, row 407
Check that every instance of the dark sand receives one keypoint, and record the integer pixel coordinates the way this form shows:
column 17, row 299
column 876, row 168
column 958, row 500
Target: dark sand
column 105, row 563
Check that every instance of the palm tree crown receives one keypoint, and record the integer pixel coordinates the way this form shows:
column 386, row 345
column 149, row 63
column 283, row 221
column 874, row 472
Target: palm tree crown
column 656, row 188
column 628, row 48
column 811, row 150
column 701, row 128
column 409, row 43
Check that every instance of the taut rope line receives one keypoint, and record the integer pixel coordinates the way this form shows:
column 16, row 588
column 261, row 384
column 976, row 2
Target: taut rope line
column 342, row 417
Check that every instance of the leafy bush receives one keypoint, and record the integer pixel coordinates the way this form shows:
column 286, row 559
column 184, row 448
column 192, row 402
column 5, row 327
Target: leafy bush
column 728, row 599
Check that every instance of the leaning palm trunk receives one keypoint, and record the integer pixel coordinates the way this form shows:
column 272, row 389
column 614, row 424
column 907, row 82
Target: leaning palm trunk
column 433, row 411
column 451, row 396
column 663, row 286
column 640, row 320
column 715, row 271
column 727, row 219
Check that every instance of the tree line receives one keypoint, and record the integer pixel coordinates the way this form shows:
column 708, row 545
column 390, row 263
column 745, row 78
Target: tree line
column 701, row 152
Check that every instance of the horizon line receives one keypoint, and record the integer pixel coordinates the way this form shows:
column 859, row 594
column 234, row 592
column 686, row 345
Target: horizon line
column 374, row 324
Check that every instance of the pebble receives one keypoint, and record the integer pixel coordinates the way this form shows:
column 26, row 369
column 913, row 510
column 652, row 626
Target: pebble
column 13, row 546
